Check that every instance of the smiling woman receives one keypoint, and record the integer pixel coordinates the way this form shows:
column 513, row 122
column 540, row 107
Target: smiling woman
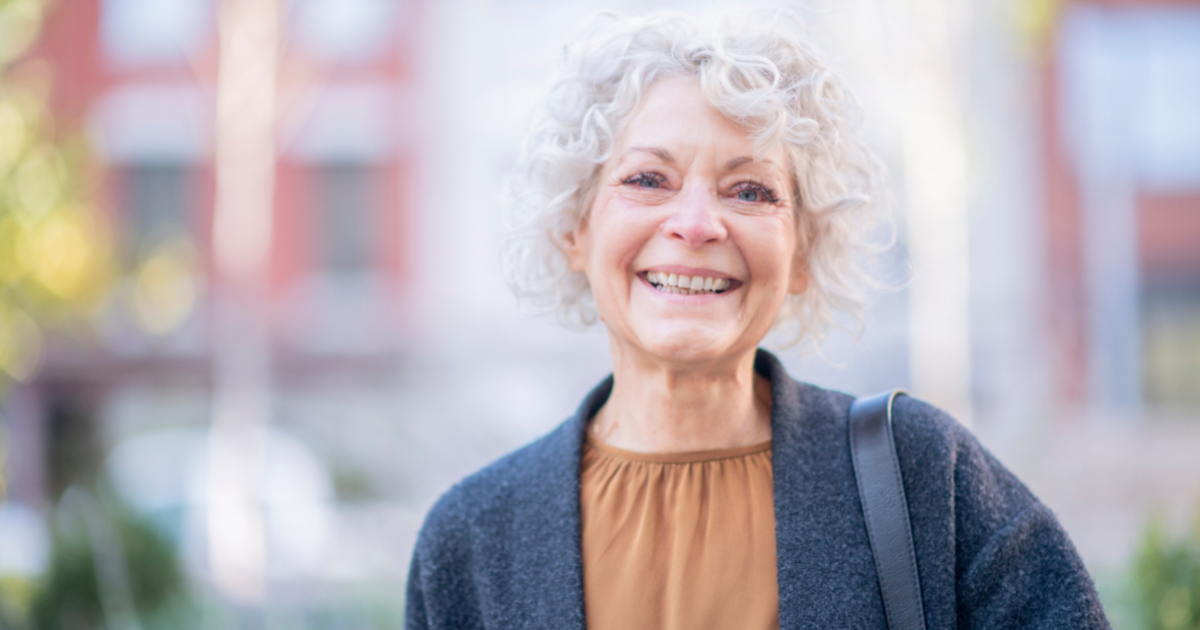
column 766, row 77
column 684, row 198
column 692, row 183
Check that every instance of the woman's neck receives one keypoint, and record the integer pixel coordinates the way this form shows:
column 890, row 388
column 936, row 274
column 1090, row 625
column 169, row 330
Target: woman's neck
column 657, row 408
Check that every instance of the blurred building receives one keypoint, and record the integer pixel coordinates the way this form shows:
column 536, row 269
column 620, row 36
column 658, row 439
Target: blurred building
column 138, row 79
column 1122, row 155
column 1120, row 192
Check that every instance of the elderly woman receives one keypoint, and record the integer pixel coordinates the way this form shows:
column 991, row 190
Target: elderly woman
column 693, row 185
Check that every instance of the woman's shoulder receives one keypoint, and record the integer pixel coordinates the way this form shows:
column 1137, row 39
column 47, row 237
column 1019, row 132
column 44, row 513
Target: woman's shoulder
column 1007, row 554
column 508, row 483
column 942, row 462
column 936, row 449
column 505, row 530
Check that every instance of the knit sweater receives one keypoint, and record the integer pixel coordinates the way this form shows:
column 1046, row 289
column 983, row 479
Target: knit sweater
column 501, row 549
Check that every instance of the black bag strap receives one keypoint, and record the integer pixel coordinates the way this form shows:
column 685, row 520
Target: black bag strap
column 886, row 509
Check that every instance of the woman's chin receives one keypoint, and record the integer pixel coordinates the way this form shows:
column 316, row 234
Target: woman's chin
column 696, row 345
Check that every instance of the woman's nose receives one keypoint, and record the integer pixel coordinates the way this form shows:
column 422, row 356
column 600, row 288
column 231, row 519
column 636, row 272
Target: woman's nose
column 695, row 219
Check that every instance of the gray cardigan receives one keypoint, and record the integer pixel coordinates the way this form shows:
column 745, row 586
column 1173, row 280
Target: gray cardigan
column 501, row 549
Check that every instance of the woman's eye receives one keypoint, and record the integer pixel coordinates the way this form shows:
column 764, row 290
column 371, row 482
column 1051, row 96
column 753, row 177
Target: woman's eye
column 755, row 193
column 647, row 182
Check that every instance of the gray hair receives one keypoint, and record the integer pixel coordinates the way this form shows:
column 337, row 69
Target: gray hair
column 758, row 69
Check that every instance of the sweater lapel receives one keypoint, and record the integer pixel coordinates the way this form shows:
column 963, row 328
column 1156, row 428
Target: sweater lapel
column 551, row 545
column 826, row 572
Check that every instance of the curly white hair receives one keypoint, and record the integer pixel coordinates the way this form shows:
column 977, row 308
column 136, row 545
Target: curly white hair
column 757, row 68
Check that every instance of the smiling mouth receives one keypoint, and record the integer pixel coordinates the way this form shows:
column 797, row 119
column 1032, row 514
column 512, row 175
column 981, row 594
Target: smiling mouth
column 687, row 285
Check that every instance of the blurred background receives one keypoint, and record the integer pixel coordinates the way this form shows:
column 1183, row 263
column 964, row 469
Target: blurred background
column 252, row 322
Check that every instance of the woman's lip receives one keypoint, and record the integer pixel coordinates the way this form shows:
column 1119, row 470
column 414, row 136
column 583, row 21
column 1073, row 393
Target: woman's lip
column 680, row 270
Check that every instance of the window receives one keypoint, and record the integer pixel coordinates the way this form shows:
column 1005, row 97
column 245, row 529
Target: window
column 1171, row 338
column 345, row 29
column 345, row 212
column 1129, row 78
column 158, row 199
column 141, row 32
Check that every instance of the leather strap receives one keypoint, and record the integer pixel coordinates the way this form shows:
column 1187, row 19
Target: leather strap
column 885, row 507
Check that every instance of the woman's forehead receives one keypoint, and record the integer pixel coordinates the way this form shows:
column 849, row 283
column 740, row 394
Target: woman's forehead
column 674, row 121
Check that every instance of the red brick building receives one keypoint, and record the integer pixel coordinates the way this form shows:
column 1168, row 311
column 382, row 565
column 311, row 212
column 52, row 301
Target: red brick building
column 137, row 78
column 1121, row 115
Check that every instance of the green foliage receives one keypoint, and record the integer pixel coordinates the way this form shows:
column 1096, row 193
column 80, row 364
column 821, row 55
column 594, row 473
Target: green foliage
column 16, row 594
column 71, row 595
column 1166, row 580
column 54, row 254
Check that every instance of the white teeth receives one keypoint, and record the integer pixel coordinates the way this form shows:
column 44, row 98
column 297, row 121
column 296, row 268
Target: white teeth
column 686, row 285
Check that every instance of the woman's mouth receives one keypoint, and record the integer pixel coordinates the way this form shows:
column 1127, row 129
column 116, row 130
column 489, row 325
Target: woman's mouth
column 687, row 285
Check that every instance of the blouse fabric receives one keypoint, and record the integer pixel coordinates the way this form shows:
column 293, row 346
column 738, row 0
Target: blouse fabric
column 680, row 541
column 502, row 548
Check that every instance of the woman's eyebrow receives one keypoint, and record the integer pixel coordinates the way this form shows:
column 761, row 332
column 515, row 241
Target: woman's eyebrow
column 658, row 152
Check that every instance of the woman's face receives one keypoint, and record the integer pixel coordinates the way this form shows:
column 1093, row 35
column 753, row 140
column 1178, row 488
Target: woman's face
column 690, row 245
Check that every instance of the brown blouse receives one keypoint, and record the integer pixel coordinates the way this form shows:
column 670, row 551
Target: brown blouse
column 680, row 541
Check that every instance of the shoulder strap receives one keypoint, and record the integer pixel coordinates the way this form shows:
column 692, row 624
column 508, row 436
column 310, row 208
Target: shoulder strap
column 886, row 510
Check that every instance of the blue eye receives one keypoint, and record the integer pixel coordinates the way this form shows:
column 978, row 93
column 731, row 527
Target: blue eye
column 753, row 192
column 647, row 182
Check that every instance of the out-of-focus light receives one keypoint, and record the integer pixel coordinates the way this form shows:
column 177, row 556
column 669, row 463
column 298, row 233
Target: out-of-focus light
column 237, row 546
column 20, row 345
column 1036, row 18
column 12, row 135
column 159, row 471
column 39, row 183
column 298, row 495
column 20, row 21
column 63, row 254
column 165, row 292
column 11, row 267
column 24, row 542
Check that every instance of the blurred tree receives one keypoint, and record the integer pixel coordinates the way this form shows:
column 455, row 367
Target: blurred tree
column 1034, row 20
column 54, row 254
column 108, row 569
column 1166, row 579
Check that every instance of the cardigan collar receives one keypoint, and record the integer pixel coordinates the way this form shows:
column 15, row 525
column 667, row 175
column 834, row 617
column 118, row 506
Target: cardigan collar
column 814, row 495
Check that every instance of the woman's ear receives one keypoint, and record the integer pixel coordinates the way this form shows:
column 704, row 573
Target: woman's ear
column 798, row 282
column 576, row 244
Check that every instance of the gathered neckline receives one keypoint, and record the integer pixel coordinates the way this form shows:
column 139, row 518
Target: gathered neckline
column 690, row 457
